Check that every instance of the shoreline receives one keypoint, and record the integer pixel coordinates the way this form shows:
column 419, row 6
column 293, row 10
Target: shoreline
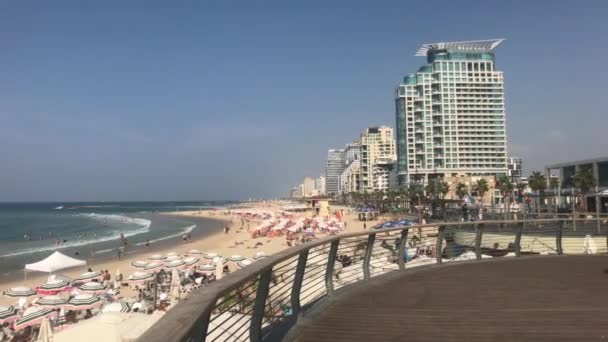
column 110, row 262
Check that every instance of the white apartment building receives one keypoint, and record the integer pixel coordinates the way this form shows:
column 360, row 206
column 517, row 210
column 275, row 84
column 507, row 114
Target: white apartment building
column 320, row 185
column 450, row 114
column 350, row 179
column 378, row 156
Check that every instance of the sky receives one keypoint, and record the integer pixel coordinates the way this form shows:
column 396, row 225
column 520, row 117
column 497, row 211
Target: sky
column 228, row 100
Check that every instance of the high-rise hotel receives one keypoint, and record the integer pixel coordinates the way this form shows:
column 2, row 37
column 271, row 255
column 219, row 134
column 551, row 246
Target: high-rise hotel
column 451, row 114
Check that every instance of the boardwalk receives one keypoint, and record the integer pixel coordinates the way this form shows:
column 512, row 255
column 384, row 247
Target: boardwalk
column 525, row 299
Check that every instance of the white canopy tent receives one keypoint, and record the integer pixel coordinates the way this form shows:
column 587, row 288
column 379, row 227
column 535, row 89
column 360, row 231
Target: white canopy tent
column 54, row 262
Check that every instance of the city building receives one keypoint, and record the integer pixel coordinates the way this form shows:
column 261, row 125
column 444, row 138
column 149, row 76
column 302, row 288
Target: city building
column 320, row 185
column 566, row 171
column 378, row 156
column 450, row 114
column 309, row 186
column 336, row 163
column 350, row 181
column 514, row 164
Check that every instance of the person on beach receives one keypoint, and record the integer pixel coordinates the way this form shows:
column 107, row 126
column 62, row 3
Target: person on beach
column 147, row 243
column 364, row 226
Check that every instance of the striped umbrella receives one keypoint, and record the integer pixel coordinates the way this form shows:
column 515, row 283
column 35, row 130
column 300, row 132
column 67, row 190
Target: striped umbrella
column 244, row 263
column 171, row 254
column 84, row 302
column 140, row 277
column 92, row 287
column 172, row 258
column 33, row 316
column 191, row 261
column 154, row 266
column 53, row 286
column 206, row 269
column 236, row 258
column 51, row 302
column 139, row 264
column 194, row 252
column 20, row 291
column 88, row 276
column 156, row 257
column 260, row 255
column 211, row 255
column 177, row 264
column 8, row 314
column 117, row 307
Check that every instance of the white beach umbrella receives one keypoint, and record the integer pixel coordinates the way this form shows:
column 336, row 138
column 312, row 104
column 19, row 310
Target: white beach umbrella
column 117, row 307
column 84, row 302
column 210, row 255
column 194, row 252
column 244, row 263
column 45, row 334
column 172, row 258
column 260, row 255
column 139, row 264
column 156, row 257
column 177, row 264
column 33, row 316
column 92, row 287
column 51, row 302
column 20, row 291
column 154, row 266
column 236, row 258
column 8, row 314
column 171, row 254
column 140, row 277
column 191, row 261
column 88, row 276
column 219, row 270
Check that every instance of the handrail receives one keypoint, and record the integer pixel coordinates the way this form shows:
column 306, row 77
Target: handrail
column 203, row 315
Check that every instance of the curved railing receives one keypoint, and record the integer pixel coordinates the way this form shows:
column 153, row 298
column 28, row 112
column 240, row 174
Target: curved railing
column 264, row 300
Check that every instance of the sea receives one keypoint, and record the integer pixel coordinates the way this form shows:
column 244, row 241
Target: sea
column 30, row 232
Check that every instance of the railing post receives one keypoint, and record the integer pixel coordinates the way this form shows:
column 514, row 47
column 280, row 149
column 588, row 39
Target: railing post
column 259, row 306
column 368, row 255
column 401, row 249
column 518, row 233
column 199, row 333
column 439, row 244
column 558, row 238
column 297, row 284
column 329, row 271
column 478, row 236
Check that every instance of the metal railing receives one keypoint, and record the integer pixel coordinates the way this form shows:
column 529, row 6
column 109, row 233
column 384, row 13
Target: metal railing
column 264, row 300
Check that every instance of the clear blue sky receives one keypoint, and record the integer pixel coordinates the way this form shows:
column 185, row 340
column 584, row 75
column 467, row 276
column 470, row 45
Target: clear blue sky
column 235, row 99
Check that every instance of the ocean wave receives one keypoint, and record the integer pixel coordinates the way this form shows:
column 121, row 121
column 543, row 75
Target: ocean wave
column 144, row 227
column 186, row 230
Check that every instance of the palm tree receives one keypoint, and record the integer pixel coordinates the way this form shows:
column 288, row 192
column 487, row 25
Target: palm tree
column 554, row 184
column 583, row 179
column 482, row 188
column 506, row 189
column 461, row 190
column 538, row 183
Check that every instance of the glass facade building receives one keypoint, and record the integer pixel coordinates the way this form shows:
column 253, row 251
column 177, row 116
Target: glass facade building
column 336, row 163
column 450, row 114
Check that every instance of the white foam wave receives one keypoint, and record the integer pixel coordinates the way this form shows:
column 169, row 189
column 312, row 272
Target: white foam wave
column 144, row 227
column 186, row 230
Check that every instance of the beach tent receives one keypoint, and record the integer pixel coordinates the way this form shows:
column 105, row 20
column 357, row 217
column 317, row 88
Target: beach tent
column 54, row 262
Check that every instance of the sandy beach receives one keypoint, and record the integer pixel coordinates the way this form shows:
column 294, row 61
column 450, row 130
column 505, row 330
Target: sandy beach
column 237, row 242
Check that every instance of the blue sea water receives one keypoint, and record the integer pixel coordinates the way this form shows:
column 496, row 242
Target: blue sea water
column 32, row 231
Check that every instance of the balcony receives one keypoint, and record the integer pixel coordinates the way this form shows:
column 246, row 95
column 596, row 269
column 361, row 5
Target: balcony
column 500, row 286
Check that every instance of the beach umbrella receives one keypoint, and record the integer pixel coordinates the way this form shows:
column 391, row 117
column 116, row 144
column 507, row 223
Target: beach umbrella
column 33, row 316
column 175, row 264
column 45, row 333
column 8, row 314
column 140, row 277
column 171, row 254
column 154, row 266
column 84, row 302
column 210, row 256
column 236, row 258
column 244, row 263
column 206, row 269
column 117, row 307
column 260, row 255
column 172, row 258
column 51, row 302
column 92, row 287
column 156, row 257
column 194, row 252
column 53, row 286
column 175, row 287
column 88, row 276
column 139, row 264
column 191, row 261
column 20, row 291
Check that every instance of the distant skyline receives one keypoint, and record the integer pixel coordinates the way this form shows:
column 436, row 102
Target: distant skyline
column 195, row 100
